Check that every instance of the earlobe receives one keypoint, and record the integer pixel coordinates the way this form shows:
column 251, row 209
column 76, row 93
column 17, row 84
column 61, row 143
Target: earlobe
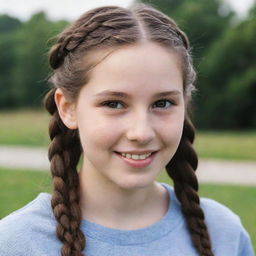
column 66, row 109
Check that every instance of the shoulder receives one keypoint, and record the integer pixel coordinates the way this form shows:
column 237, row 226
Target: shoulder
column 215, row 210
column 19, row 227
column 225, row 227
column 227, row 233
column 219, row 218
column 34, row 209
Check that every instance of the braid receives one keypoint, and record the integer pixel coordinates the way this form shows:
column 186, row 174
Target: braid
column 181, row 169
column 64, row 153
column 105, row 21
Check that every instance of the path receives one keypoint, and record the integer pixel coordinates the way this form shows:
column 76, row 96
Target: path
column 209, row 171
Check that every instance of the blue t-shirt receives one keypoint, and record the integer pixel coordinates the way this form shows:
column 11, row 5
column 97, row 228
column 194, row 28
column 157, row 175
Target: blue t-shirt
column 30, row 231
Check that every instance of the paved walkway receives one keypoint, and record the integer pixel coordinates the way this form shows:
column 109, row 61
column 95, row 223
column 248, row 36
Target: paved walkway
column 209, row 171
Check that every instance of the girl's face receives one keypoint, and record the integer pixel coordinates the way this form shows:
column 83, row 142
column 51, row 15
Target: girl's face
column 121, row 109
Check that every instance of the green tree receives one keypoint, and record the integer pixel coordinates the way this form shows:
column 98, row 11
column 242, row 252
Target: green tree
column 203, row 21
column 8, row 24
column 8, row 27
column 31, row 69
column 228, row 99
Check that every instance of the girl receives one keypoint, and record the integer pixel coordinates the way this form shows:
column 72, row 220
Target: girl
column 121, row 86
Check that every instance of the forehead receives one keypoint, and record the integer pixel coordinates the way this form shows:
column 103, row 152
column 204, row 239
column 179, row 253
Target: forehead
column 133, row 67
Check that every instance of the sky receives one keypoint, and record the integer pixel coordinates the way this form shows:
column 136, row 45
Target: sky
column 71, row 9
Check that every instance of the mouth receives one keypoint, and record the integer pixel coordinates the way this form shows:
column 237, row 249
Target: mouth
column 137, row 163
column 126, row 155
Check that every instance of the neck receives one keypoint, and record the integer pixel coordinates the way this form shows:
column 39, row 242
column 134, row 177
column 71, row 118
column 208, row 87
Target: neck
column 112, row 206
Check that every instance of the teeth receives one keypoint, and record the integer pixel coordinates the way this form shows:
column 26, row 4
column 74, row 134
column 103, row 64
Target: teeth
column 136, row 157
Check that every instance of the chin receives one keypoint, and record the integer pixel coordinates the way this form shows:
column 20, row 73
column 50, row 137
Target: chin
column 135, row 183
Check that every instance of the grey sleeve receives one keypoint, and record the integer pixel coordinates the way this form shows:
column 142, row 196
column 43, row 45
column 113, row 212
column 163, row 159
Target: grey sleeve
column 245, row 244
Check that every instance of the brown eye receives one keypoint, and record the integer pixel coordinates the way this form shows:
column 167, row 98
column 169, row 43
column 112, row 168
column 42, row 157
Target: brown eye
column 112, row 104
column 162, row 103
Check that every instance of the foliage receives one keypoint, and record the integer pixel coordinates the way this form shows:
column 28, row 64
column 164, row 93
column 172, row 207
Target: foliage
column 8, row 24
column 8, row 28
column 24, row 65
column 229, row 87
column 224, row 56
column 202, row 21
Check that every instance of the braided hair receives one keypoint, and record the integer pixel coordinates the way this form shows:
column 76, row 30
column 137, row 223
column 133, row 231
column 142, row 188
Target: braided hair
column 110, row 27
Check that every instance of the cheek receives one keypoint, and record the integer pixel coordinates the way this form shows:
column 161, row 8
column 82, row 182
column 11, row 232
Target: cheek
column 171, row 139
column 98, row 133
column 172, row 127
column 171, row 135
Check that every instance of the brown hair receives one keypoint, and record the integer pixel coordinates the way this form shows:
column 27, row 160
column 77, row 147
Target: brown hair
column 110, row 27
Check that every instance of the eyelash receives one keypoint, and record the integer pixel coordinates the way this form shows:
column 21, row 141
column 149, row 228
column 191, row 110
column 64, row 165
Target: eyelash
column 106, row 103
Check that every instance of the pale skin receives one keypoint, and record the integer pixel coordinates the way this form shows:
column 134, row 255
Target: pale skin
column 114, row 194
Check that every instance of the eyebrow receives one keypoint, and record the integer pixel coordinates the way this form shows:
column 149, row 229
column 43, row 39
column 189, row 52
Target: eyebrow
column 126, row 95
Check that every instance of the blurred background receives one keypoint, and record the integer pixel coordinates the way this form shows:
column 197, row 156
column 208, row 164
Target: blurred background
column 221, row 32
column 222, row 35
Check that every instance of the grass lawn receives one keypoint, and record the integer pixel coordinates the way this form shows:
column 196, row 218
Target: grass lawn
column 24, row 127
column 30, row 128
column 20, row 187
column 235, row 145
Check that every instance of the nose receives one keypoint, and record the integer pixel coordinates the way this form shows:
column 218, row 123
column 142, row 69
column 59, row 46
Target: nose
column 140, row 130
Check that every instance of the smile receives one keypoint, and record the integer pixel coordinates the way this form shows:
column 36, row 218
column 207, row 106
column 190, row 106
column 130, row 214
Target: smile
column 137, row 161
column 135, row 156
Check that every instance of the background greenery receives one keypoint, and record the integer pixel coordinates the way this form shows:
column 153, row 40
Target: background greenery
column 223, row 48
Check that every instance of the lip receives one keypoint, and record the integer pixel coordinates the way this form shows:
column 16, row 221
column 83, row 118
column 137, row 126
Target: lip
column 137, row 152
column 140, row 163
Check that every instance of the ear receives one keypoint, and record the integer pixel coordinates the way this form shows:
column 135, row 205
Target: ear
column 66, row 109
